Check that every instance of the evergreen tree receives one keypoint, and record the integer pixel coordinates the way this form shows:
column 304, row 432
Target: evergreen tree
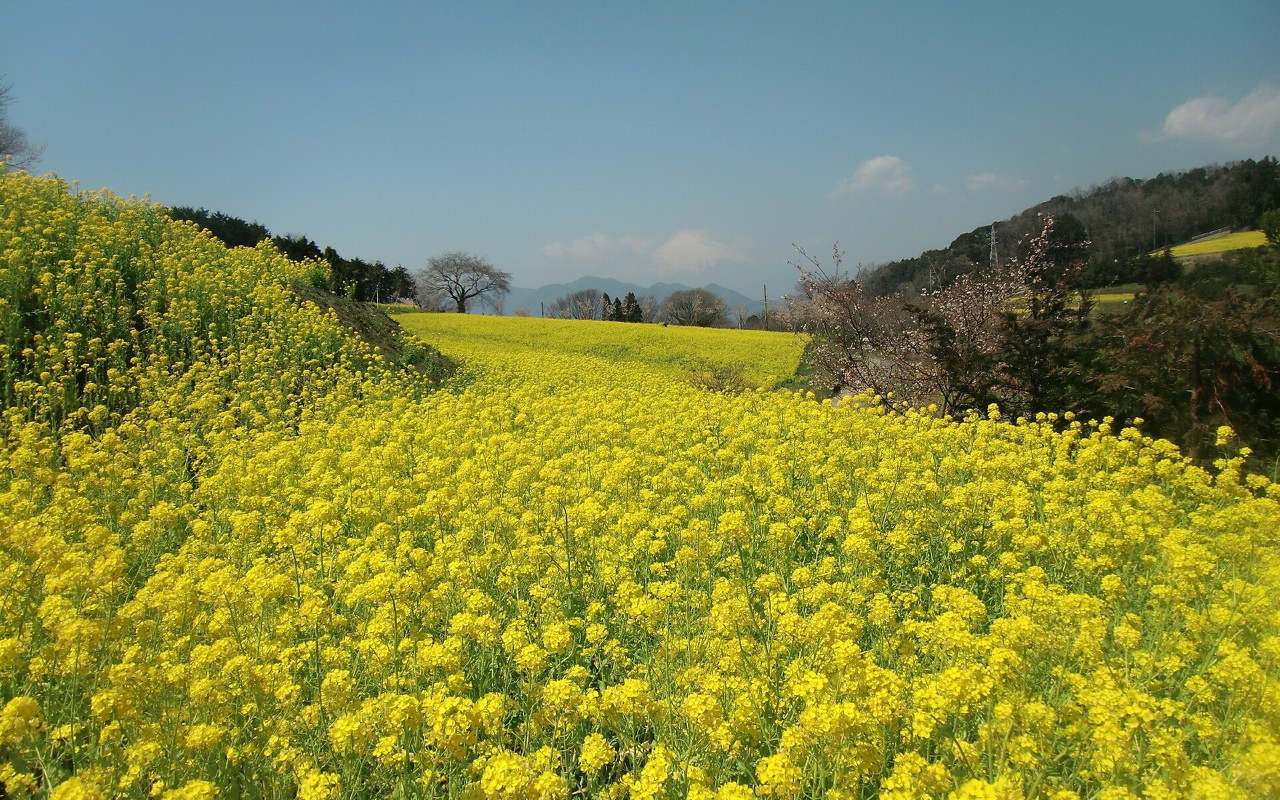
column 296, row 247
column 631, row 311
column 1160, row 270
column 231, row 231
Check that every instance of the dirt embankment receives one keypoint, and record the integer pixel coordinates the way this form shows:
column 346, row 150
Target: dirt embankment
column 382, row 333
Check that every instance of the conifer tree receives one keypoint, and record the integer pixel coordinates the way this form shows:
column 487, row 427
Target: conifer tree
column 631, row 311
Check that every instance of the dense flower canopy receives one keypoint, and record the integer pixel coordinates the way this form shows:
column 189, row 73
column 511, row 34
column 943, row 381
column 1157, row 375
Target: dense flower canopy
column 240, row 558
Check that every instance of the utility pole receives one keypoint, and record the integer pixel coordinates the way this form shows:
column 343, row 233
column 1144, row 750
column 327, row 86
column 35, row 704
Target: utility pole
column 766, row 306
column 994, row 261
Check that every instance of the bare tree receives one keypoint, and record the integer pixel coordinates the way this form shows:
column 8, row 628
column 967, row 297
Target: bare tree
column 992, row 336
column 463, row 277
column 15, row 151
column 859, row 342
column 582, row 304
column 648, row 308
column 432, row 300
column 956, row 344
column 694, row 307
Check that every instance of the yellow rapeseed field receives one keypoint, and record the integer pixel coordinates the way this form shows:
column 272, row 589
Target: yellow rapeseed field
column 1221, row 244
column 240, row 557
column 765, row 358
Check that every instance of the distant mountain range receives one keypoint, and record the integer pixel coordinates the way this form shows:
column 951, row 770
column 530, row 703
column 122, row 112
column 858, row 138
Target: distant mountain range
column 533, row 300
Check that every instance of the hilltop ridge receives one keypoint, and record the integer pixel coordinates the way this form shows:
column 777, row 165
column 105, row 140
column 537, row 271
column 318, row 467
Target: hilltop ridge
column 1121, row 219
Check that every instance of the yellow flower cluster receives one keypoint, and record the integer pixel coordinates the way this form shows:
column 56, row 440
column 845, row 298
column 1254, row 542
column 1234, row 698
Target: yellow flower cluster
column 271, row 569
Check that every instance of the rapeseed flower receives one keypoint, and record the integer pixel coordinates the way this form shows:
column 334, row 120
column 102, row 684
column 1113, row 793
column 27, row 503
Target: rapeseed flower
column 242, row 555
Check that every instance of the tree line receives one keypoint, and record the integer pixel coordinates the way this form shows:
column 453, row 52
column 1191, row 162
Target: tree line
column 457, row 281
column 1123, row 219
column 349, row 277
column 597, row 305
column 695, row 307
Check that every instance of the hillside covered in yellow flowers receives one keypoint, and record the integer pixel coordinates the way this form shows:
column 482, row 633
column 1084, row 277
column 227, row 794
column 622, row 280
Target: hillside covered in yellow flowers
column 244, row 555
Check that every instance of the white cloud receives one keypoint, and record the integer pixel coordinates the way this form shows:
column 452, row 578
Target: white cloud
column 1255, row 117
column 686, row 251
column 883, row 173
column 692, row 251
column 990, row 180
column 596, row 247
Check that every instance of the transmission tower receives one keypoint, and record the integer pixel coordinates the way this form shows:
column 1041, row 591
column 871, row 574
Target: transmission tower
column 994, row 260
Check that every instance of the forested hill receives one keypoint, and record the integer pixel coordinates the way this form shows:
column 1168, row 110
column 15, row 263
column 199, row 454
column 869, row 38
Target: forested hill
column 1123, row 218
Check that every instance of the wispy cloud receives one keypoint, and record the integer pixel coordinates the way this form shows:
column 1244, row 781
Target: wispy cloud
column 1255, row 117
column 990, row 180
column 693, row 251
column 687, row 251
column 595, row 247
column 882, row 173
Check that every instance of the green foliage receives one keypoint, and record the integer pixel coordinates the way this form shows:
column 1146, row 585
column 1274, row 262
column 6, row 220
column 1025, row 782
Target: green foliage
column 352, row 277
column 1188, row 365
column 1161, row 269
column 1255, row 190
column 1192, row 353
column 231, row 231
column 1124, row 219
column 1065, row 250
column 316, row 276
column 631, row 311
column 1270, row 225
column 384, row 336
column 297, row 247
column 723, row 378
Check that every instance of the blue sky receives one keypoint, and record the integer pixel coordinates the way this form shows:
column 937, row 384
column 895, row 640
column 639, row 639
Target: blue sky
column 647, row 141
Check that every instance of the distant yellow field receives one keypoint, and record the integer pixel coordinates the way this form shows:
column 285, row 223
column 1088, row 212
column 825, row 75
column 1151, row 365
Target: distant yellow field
column 766, row 358
column 1232, row 241
column 1113, row 297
